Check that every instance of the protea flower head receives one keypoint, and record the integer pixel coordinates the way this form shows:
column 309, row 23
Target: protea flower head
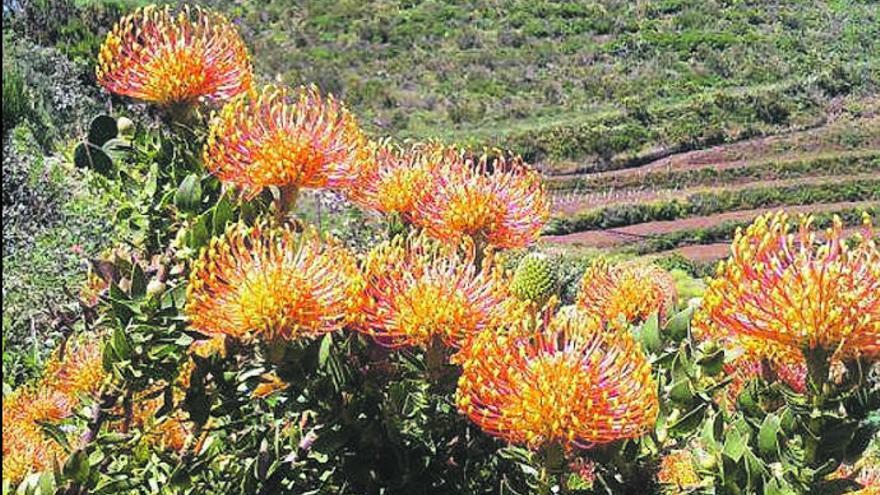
column 796, row 291
column 418, row 290
column 67, row 380
column 567, row 381
column 499, row 202
column 274, row 282
column 168, row 58
column 630, row 290
column 293, row 139
column 396, row 179
column 534, row 279
column 677, row 473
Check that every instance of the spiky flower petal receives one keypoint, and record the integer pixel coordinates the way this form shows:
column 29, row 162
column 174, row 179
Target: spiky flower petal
column 630, row 290
column 168, row 58
column 274, row 282
column 791, row 289
column 501, row 202
column 418, row 290
column 396, row 179
column 534, row 279
column 287, row 138
column 568, row 381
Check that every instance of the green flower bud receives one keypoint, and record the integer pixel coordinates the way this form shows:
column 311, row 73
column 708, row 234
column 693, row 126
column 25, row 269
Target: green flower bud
column 534, row 279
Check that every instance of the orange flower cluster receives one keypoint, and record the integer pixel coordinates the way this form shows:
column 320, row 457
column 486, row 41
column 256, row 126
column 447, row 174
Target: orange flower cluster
column 418, row 290
column 630, row 290
column 274, row 282
column 790, row 289
column 158, row 56
column 66, row 381
column 290, row 139
column 567, row 381
column 396, row 180
column 500, row 202
column 865, row 472
column 677, row 473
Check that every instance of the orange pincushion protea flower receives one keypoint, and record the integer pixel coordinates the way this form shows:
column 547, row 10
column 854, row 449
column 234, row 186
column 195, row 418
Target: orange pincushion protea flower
column 790, row 289
column 67, row 379
column 631, row 290
column 397, row 179
column 677, row 473
column 158, row 56
column 273, row 282
column 569, row 381
column 291, row 139
column 418, row 290
column 502, row 203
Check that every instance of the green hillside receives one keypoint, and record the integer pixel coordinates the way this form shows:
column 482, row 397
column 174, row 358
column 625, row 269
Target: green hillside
column 573, row 79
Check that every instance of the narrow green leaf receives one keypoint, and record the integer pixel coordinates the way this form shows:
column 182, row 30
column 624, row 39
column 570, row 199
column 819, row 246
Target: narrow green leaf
column 138, row 282
column 189, row 194
column 324, row 350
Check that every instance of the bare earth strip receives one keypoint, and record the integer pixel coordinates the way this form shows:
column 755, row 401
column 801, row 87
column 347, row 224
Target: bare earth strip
column 635, row 233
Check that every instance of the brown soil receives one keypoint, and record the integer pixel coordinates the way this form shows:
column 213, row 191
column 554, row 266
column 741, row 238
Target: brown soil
column 635, row 233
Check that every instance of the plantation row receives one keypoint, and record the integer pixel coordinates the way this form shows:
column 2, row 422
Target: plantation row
column 635, row 136
column 846, row 163
column 725, row 231
column 708, row 203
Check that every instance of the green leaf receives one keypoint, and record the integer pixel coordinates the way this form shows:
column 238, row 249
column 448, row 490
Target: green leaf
column 46, row 484
column 138, row 282
column 734, row 445
column 324, row 351
column 649, row 334
column 223, row 214
column 77, row 467
column 677, row 326
column 102, row 129
column 768, row 441
column 117, row 149
column 199, row 234
column 711, row 432
column 87, row 155
column 188, row 197
column 121, row 345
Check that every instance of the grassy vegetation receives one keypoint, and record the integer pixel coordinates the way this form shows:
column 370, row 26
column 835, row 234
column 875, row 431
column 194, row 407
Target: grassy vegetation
column 572, row 80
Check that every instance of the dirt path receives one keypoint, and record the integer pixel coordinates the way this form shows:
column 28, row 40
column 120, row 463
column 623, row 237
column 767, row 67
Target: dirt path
column 569, row 204
column 636, row 233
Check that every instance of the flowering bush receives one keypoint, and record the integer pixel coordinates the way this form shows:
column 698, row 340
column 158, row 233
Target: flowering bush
column 240, row 348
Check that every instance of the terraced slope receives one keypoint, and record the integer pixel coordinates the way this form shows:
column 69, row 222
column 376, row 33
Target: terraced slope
column 641, row 232
column 691, row 203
